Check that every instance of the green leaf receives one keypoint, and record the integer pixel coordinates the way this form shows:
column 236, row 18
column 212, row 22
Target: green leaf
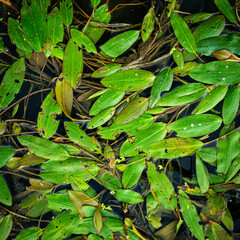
column 61, row 226
column 161, row 187
column 31, row 233
column 120, row 43
column 79, row 137
column 183, row 95
column 227, row 219
column 225, row 7
column 209, row 28
column 6, row 153
column 211, row 100
column 66, row 10
column 196, row 126
column 219, row 232
column 202, row 175
column 129, row 80
column 16, row 35
column 128, row 196
column 5, row 194
column 98, row 221
column 34, row 26
column 133, row 171
column 108, row 99
column 2, row 43
column 143, row 140
column 182, row 72
column 209, row 155
column 233, row 169
column 148, row 24
column 72, row 64
column 174, row 147
column 183, row 33
column 6, row 227
column 217, row 73
column 230, row 105
column 57, row 51
column 95, row 3
column 44, row 148
column 47, row 123
column 178, row 58
column 81, row 39
column 55, row 26
column 190, row 216
column 106, row 70
column 12, row 82
column 132, row 128
column 101, row 118
column 163, row 82
column 110, row 181
column 132, row 110
column 197, row 17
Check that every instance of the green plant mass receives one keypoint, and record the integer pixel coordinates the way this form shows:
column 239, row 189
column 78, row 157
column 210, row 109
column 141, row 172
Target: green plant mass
column 119, row 119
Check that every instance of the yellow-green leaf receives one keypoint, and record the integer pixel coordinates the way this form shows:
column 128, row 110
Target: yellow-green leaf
column 98, row 221
column 148, row 24
column 6, row 227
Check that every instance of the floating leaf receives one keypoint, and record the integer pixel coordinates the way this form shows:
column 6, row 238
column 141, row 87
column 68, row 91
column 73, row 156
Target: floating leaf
column 195, row 126
column 66, row 10
column 6, row 153
column 108, row 99
column 39, row 185
column 128, row 196
column 12, row 82
column 31, row 233
column 132, row 110
column 106, row 70
column 227, row 219
column 129, row 80
column 163, row 82
column 47, row 124
column 55, row 26
column 57, row 51
column 182, row 72
column 78, row 184
column 98, row 221
column 168, row 232
column 209, row 155
column 225, row 7
column 95, row 3
column 183, row 33
column 174, row 147
column 6, row 227
column 120, row 43
column 219, row 232
column 231, row 104
column 2, row 43
column 202, row 175
column 72, row 64
column 178, row 58
column 61, row 226
column 183, row 95
column 233, row 169
column 81, row 39
column 34, row 26
column 44, row 148
column 197, row 17
column 143, row 140
column 78, row 136
column 190, row 216
column 211, row 100
column 5, row 194
column 110, row 181
column 148, row 24
column 217, row 72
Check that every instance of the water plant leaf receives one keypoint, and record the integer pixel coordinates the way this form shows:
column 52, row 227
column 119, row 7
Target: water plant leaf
column 129, row 80
column 225, row 7
column 98, row 221
column 217, row 72
column 31, row 233
column 34, row 26
column 6, row 226
column 209, row 155
column 233, row 169
column 183, row 33
column 132, row 110
column 163, row 82
column 211, row 99
column 219, row 232
column 132, row 128
column 106, row 70
column 79, row 137
column 197, row 17
column 66, row 10
column 191, row 216
column 5, row 194
column 143, row 140
column 148, row 24
column 46, row 123
column 202, row 175
column 57, row 51
column 55, row 26
column 61, row 226
column 81, row 39
column 178, row 58
column 108, row 99
column 128, row 196
column 44, row 148
column 183, row 95
column 110, row 181
column 196, row 126
column 120, row 43
column 230, row 105
column 161, row 187
column 12, row 82
column 133, row 172
column 72, row 64
column 227, row 219
column 182, row 72
column 78, row 184
column 6, row 153
column 174, row 147
column 95, row 3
